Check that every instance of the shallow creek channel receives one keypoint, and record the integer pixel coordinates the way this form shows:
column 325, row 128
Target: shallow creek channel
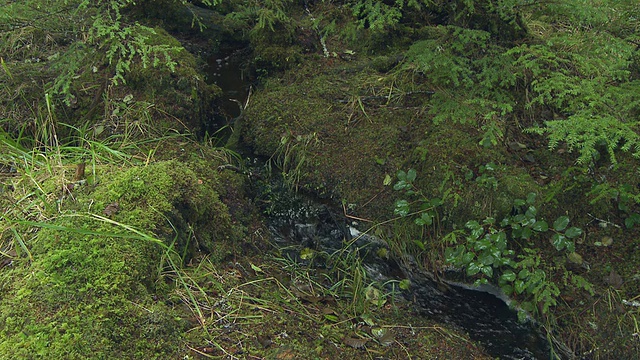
column 302, row 222
column 306, row 223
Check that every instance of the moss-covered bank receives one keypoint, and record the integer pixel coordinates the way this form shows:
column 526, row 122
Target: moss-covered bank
column 96, row 284
column 439, row 98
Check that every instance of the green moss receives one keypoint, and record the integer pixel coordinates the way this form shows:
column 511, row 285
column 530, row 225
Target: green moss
column 366, row 128
column 167, row 197
column 90, row 290
column 513, row 183
column 180, row 92
column 165, row 90
column 86, row 296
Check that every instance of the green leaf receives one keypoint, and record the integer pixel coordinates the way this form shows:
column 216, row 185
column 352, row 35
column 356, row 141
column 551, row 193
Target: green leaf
column 472, row 224
column 632, row 220
column 501, row 240
column 411, row 175
column 559, row 241
column 531, row 198
column 468, row 257
column 404, row 284
column 402, row 208
column 489, row 221
column 450, row 254
column 473, row 269
column 516, row 232
column 331, row 318
column 374, row 296
column 519, row 286
column 436, row 202
column 482, row 244
column 306, row 253
column 387, row 180
column 561, row 223
column 507, row 289
column 400, row 185
column 540, row 226
column 496, row 253
column 256, row 268
column 575, row 258
column 486, row 259
column 487, row 270
column 425, row 219
column 368, row 319
column 531, row 212
column 476, row 229
column 573, row 232
column 508, row 276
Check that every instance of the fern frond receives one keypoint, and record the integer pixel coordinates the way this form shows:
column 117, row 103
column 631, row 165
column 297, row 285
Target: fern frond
column 589, row 136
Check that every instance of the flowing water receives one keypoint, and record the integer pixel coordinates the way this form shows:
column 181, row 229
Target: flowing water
column 486, row 317
column 308, row 223
column 227, row 70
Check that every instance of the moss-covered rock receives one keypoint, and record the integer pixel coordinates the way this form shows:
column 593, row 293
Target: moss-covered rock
column 94, row 287
column 179, row 94
column 341, row 128
column 53, row 77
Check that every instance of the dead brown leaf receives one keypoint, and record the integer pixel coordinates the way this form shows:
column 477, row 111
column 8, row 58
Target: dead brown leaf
column 355, row 343
column 614, row 279
column 79, row 172
column 111, row 208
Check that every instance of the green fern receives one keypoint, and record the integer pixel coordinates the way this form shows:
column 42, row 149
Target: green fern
column 271, row 12
column 471, row 73
column 376, row 15
column 585, row 78
column 587, row 134
column 68, row 65
column 125, row 43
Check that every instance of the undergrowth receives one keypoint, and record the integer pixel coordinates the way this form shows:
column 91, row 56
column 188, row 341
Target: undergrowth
column 92, row 232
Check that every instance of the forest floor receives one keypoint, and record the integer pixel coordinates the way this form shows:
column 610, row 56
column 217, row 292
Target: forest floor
column 128, row 231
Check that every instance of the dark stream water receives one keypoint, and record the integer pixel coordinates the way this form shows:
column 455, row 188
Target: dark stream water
column 485, row 317
column 307, row 223
column 229, row 72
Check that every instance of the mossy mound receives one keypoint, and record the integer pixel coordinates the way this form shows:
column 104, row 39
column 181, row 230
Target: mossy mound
column 86, row 298
column 340, row 127
column 53, row 76
column 179, row 95
column 95, row 286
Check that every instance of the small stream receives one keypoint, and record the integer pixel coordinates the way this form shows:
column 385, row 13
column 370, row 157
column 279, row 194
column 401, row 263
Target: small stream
column 301, row 222
column 228, row 71
column 305, row 223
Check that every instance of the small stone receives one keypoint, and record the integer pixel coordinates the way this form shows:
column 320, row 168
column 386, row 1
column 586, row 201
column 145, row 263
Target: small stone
column 264, row 340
